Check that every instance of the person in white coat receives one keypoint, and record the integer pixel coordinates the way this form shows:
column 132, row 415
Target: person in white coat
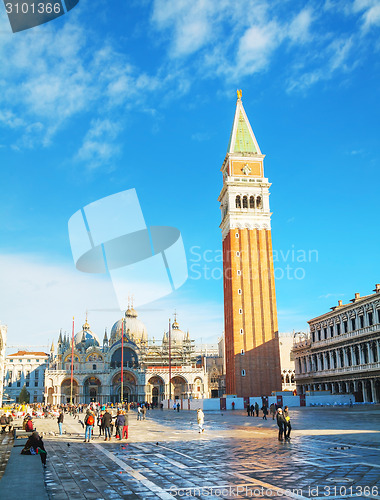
column 200, row 420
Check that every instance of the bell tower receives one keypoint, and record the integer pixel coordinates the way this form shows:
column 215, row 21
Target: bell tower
column 250, row 313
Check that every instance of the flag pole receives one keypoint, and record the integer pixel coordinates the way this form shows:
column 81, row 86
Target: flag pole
column 72, row 365
column 170, row 360
column 122, row 362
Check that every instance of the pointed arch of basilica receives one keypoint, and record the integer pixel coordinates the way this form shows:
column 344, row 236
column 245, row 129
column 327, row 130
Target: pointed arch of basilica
column 92, row 390
column 130, row 389
column 156, row 389
column 66, row 391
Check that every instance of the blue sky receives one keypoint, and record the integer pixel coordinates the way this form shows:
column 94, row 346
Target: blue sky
column 120, row 95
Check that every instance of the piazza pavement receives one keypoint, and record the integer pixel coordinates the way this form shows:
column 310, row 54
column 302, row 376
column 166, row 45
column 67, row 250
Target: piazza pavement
column 334, row 453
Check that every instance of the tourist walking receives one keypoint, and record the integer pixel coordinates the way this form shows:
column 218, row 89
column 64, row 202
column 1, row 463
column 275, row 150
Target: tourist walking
column 248, row 410
column 99, row 423
column 60, row 422
column 257, row 408
column 252, row 410
column 89, row 423
column 265, row 412
column 178, row 407
column 272, row 410
column 287, row 426
column 139, row 413
column 200, row 420
column 281, row 424
column 125, row 427
column 120, row 422
column 143, row 411
column 106, row 421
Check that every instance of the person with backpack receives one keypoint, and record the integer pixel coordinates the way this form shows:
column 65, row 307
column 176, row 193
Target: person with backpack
column 281, row 422
column 89, row 423
column 29, row 425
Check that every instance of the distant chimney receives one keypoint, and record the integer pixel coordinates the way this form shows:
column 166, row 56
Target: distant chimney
column 340, row 302
column 377, row 288
column 357, row 295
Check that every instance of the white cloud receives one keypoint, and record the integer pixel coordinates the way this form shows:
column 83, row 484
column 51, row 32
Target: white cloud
column 299, row 28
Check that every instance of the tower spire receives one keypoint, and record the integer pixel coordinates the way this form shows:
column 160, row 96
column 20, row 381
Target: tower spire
column 242, row 138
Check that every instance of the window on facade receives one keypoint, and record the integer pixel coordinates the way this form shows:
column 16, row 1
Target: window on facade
column 94, row 367
column 36, row 383
column 20, row 360
column 18, row 384
column 353, row 324
column 236, row 235
column 241, row 331
column 319, row 334
column 292, row 378
column 361, row 321
column 258, row 202
column 331, row 331
column 287, row 379
column 313, row 336
column 242, row 352
column 370, row 318
column 378, row 315
column 37, row 360
column 251, row 202
column 11, row 360
column 27, row 383
column 240, row 311
column 36, row 374
column 28, row 360
column 10, row 383
column 325, row 333
column 27, row 376
column 239, row 291
column 19, row 374
column 338, row 328
column 238, row 272
column 243, row 373
column 237, row 254
column 345, row 327
column 238, row 202
column 245, row 202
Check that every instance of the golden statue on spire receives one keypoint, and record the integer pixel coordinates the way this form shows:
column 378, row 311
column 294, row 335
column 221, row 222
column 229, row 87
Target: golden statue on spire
column 239, row 93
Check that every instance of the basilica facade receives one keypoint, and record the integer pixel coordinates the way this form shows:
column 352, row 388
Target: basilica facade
column 97, row 371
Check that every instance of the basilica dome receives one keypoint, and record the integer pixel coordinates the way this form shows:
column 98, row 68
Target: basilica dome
column 87, row 336
column 137, row 330
column 177, row 335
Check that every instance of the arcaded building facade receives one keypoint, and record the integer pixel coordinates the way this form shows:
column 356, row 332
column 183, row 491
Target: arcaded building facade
column 97, row 366
column 342, row 352
column 250, row 311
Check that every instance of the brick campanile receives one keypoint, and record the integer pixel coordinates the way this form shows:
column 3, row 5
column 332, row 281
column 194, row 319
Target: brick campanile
column 250, row 313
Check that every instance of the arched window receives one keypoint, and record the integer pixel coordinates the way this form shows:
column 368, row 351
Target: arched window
column 258, row 202
column 287, row 380
column 238, row 202
column 251, row 202
column 245, row 202
column 282, row 379
column 292, row 378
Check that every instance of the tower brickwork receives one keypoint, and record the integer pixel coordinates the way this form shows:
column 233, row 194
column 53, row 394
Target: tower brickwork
column 250, row 314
